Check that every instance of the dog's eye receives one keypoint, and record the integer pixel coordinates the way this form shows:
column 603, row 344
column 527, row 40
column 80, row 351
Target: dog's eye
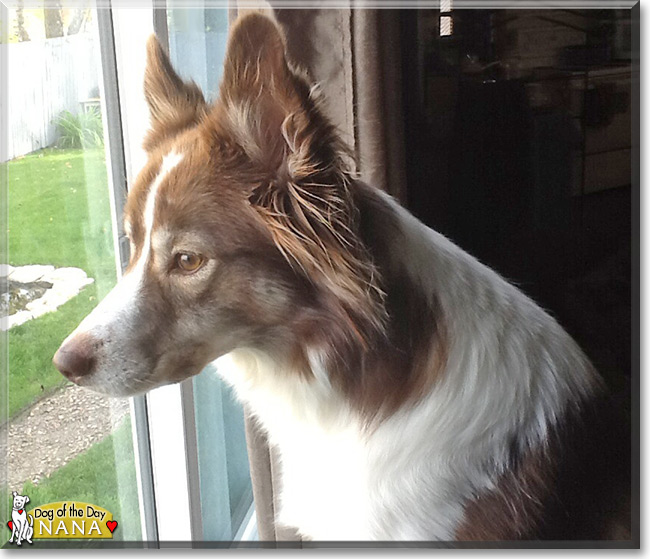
column 188, row 262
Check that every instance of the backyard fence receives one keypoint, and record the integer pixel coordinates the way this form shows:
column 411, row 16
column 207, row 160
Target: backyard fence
column 45, row 78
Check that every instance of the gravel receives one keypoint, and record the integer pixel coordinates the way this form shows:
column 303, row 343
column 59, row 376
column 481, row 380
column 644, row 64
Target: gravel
column 55, row 430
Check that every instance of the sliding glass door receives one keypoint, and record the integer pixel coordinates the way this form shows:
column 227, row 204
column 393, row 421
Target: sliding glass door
column 170, row 466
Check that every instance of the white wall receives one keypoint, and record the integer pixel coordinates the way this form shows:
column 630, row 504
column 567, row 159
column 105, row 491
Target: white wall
column 43, row 79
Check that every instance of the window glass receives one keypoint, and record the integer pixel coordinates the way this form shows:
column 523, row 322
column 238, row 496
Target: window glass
column 64, row 443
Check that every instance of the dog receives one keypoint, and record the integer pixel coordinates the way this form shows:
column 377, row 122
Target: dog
column 411, row 392
column 22, row 527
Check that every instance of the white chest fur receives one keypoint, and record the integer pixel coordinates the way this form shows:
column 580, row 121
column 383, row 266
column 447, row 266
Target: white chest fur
column 339, row 483
column 323, row 459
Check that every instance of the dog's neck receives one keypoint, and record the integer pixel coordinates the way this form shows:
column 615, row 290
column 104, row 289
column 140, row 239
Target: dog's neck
column 399, row 364
column 375, row 371
column 446, row 313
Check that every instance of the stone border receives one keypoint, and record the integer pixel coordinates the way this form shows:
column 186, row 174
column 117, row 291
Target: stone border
column 66, row 283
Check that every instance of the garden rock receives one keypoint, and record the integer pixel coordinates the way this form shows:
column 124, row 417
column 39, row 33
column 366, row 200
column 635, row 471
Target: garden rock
column 32, row 291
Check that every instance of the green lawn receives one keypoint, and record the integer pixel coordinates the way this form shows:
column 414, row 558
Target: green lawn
column 59, row 214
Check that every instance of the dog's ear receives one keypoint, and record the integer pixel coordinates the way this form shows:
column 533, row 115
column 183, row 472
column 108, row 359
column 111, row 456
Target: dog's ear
column 15, row 493
column 267, row 106
column 268, row 110
column 173, row 103
column 26, row 499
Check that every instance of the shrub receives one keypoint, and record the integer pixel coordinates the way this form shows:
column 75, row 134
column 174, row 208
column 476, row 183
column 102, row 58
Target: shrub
column 84, row 130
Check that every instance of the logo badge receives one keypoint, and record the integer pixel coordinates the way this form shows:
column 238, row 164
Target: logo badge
column 63, row 520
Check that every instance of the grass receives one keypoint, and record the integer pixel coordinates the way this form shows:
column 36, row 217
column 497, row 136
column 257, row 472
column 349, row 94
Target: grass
column 59, row 213
column 90, row 478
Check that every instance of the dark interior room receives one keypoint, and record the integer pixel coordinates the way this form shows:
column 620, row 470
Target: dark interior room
column 519, row 148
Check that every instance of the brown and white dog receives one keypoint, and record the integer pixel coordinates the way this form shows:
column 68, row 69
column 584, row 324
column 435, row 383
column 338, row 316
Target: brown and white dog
column 412, row 393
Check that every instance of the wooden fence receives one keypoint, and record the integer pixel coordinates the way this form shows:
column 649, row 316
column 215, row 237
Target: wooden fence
column 45, row 78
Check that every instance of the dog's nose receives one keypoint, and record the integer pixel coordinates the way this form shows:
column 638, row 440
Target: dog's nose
column 75, row 359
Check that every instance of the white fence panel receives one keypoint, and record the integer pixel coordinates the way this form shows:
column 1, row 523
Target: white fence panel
column 43, row 79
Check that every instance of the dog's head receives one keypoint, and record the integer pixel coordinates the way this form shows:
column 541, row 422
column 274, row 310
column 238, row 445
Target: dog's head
column 19, row 501
column 242, row 229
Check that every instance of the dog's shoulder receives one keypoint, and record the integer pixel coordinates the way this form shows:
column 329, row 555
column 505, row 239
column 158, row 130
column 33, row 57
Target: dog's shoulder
column 576, row 486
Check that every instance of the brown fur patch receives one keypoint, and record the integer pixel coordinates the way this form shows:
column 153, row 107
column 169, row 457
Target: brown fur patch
column 515, row 508
column 136, row 202
column 303, row 198
column 401, row 365
column 576, row 485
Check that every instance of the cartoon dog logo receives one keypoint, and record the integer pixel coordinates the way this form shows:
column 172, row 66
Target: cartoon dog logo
column 22, row 526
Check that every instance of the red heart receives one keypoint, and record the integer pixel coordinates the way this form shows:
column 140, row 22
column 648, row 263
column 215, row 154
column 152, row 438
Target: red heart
column 112, row 524
column 11, row 525
column 20, row 511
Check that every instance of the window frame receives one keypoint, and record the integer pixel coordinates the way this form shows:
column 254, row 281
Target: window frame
column 117, row 182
